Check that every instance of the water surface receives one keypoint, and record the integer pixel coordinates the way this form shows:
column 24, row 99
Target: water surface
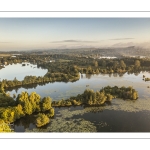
column 62, row 90
column 118, row 116
column 19, row 71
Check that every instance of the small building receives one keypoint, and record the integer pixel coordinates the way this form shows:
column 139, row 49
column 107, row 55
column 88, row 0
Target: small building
column 52, row 61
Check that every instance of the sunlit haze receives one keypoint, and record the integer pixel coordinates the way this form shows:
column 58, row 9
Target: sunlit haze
column 61, row 33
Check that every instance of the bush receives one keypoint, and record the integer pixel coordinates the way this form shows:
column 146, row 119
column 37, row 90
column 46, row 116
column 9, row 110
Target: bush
column 42, row 120
column 4, row 127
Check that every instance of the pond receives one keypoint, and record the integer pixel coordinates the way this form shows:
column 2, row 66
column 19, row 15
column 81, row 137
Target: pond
column 20, row 71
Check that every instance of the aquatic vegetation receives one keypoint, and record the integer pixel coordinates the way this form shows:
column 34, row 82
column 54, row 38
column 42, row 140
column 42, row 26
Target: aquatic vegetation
column 73, row 125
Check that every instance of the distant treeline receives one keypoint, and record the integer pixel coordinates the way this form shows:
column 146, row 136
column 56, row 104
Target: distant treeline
column 66, row 68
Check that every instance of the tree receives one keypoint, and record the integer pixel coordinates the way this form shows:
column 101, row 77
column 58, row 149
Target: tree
column 95, row 63
column 28, row 107
column 46, row 103
column 137, row 64
column 103, row 63
column 51, row 112
column 97, row 71
column 34, row 99
column 30, row 103
column 4, row 127
column 23, row 100
column 115, row 64
column 122, row 64
column 42, row 120
column 134, row 95
column 109, row 97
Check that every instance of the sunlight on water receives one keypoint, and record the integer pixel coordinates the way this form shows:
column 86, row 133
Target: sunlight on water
column 19, row 71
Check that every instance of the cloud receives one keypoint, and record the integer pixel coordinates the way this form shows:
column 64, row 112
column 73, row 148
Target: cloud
column 73, row 41
column 123, row 39
column 123, row 44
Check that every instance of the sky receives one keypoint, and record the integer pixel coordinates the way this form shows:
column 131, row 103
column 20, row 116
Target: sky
column 60, row 33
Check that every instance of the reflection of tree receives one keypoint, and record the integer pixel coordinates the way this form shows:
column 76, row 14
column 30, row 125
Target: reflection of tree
column 129, row 73
column 30, row 86
column 25, row 121
column 120, row 74
column 115, row 74
column 110, row 75
column 103, row 74
column 108, row 103
column 136, row 73
column 16, row 90
column 88, row 76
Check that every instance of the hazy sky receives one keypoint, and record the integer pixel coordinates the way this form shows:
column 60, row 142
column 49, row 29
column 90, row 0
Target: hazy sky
column 46, row 33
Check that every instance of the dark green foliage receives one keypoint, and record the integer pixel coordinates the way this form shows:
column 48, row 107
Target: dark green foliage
column 6, row 100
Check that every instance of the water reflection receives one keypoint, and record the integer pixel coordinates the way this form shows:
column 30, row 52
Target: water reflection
column 26, row 122
column 115, row 74
column 19, row 71
column 115, row 116
column 63, row 90
column 88, row 76
column 136, row 74
column 110, row 75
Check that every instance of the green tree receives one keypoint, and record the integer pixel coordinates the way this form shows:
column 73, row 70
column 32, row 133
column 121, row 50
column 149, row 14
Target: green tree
column 109, row 97
column 42, row 120
column 34, row 99
column 95, row 63
column 28, row 107
column 23, row 100
column 4, row 127
column 51, row 112
column 137, row 64
column 134, row 95
column 46, row 103
column 122, row 64
column 115, row 64
column 103, row 63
